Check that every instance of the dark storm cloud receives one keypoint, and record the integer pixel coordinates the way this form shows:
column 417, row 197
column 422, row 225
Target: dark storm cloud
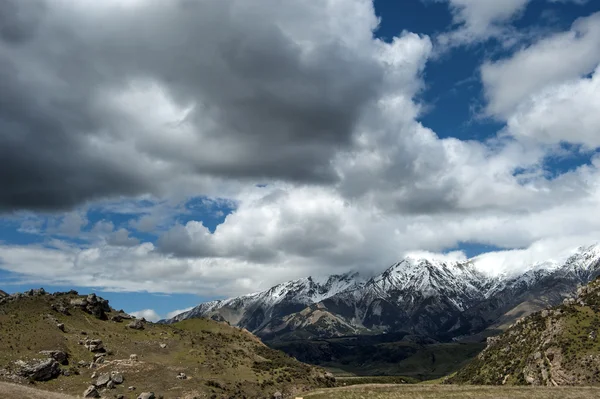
column 265, row 106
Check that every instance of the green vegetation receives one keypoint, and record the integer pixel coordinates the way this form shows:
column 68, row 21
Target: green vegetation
column 219, row 361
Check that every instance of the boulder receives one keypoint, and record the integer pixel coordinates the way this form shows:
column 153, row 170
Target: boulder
column 91, row 392
column 117, row 377
column 277, row 395
column 110, row 384
column 39, row 370
column 163, row 346
column 94, row 345
column 146, row 395
column 133, row 357
column 59, row 356
column 61, row 327
column 102, row 380
column 136, row 325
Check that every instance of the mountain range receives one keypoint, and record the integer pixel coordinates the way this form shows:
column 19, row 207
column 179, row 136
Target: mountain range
column 424, row 296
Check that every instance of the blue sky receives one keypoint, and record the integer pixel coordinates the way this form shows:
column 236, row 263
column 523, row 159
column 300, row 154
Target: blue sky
column 396, row 126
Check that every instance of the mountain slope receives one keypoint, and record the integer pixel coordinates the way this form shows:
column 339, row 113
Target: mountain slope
column 67, row 342
column 443, row 300
column 557, row 346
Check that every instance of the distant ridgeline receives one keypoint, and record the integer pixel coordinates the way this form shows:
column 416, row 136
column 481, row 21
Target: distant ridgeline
column 443, row 301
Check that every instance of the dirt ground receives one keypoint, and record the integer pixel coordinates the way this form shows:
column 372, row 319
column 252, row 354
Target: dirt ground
column 14, row 391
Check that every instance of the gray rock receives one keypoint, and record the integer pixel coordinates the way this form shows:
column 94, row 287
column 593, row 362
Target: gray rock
column 91, row 392
column 132, row 388
column 61, row 327
column 39, row 370
column 117, row 377
column 59, row 356
column 136, row 325
column 277, row 395
column 146, row 395
column 163, row 346
column 94, row 345
column 102, row 380
column 110, row 384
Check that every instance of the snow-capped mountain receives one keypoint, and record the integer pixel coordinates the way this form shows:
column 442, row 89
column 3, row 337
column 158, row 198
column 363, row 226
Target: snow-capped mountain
column 424, row 296
column 254, row 310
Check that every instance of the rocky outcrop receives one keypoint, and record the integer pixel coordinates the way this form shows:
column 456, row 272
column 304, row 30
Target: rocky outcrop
column 93, row 305
column 94, row 345
column 39, row 370
column 58, row 355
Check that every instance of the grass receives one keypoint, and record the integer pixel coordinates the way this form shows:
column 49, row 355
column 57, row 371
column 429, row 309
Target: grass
column 453, row 392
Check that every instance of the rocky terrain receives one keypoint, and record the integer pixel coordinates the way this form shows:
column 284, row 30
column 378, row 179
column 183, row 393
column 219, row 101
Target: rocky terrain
column 79, row 345
column 441, row 300
column 552, row 347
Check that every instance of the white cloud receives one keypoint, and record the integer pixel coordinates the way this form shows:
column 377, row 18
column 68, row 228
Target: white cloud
column 566, row 112
column 552, row 60
column 148, row 314
column 479, row 20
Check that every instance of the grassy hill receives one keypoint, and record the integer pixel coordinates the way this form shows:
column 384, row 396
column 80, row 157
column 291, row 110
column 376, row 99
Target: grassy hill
column 557, row 346
column 211, row 359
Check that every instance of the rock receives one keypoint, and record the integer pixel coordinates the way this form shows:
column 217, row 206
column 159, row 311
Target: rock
column 102, row 380
column 57, row 355
column 94, row 345
column 120, row 396
column 146, row 395
column 39, row 370
column 181, row 376
column 60, row 309
column 82, row 363
column 99, row 358
column 110, row 384
column 94, row 375
column 163, row 346
column 61, row 327
column 133, row 357
column 277, row 395
column 117, row 377
column 91, row 392
column 132, row 388
column 136, row 325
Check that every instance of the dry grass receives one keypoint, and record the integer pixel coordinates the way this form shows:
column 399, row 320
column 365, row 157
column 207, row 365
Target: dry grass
column 14, row 391
column 453, row 392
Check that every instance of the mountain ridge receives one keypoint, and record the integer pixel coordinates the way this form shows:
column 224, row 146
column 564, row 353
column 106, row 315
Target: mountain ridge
column 426, row 296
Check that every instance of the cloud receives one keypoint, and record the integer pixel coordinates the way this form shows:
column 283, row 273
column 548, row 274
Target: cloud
column 562, row 113
column 510, row 81
column 121, row 238
column 477, row 21
column 148, row 314
column 212, row 90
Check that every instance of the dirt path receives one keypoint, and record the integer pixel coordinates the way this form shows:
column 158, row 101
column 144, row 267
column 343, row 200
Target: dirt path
column 14, row 391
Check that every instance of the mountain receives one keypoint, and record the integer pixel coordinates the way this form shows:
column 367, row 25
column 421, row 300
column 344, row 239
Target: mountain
column 422, row 296
column 254, row 311
column 68, row 343
column 556, row 346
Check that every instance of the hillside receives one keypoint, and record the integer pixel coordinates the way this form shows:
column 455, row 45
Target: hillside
column 556, row 346
column 68, row 343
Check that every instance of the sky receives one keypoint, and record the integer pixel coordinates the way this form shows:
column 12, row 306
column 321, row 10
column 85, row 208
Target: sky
column 162, row 154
